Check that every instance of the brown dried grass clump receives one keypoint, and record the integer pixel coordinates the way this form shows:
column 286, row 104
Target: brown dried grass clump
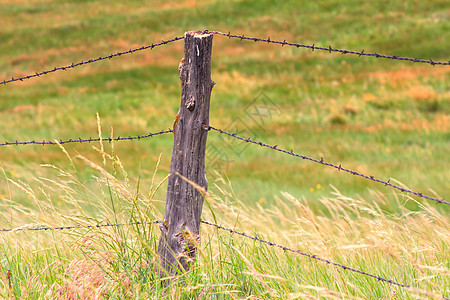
column 89, row 278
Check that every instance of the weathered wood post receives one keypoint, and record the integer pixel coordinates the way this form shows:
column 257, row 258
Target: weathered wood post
column 181, row 225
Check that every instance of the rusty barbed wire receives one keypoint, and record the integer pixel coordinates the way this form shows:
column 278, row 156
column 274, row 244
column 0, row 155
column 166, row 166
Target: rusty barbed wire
column 272, row 244
column 80, row 140
column 73, row 65
column 329, row 49
column 321, row 161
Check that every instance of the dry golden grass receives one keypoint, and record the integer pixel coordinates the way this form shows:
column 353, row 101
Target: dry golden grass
column 374, row 235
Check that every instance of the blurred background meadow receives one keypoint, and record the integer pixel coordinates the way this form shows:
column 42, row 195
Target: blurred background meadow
column 385, row 118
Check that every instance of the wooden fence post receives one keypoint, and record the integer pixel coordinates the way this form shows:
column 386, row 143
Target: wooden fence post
column 181, row 225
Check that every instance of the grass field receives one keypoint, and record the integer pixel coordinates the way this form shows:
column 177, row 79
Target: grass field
column 385, row 118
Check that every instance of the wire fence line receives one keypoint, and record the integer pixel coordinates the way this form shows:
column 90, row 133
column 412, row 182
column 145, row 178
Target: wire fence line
column 80, row 140
column 43, row 228
column 271, row 244
column 322, row 162
column 229, row 35
column 256, row 238
column 312, row 256
column 330, row 49
column 234, row 135
column 73, row 65
column 241, row 37
column 232, row 231
column 139, row 137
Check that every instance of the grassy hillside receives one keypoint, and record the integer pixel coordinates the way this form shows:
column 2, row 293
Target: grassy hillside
column 385, row 118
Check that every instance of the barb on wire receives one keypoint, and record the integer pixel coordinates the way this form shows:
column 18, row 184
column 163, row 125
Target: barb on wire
column 73, row 65
column 80, row 140
column 321, row 161
column 74, row 227
column 330, row 49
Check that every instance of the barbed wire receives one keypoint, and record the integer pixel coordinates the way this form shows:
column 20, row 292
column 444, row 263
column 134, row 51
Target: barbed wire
column 74, row 226
column 73, row 65
column 248, row 140
column 44, row 228
column 321, row 161
column 329, row 48
column 232, row 231
column 256, row 238
column 229, row 35
column 80, row 140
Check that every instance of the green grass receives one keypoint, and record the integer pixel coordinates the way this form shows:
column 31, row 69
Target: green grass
column 383, row 118
column 406, row 246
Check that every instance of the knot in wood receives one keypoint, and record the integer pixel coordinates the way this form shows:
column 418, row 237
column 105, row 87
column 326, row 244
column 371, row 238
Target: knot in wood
column 190, row 104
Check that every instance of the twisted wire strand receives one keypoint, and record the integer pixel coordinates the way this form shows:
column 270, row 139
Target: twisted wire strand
column 44, row 228
column 322, row 162
column 80, row 140
column 40, row 228
column 329, row 262
column 73, row 65
column 232, row 231
column 330, row 49
column 229, row 35
column 256, row 238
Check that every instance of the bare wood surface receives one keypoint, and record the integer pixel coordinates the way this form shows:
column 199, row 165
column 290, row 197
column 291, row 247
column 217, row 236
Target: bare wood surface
column 181, row 225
